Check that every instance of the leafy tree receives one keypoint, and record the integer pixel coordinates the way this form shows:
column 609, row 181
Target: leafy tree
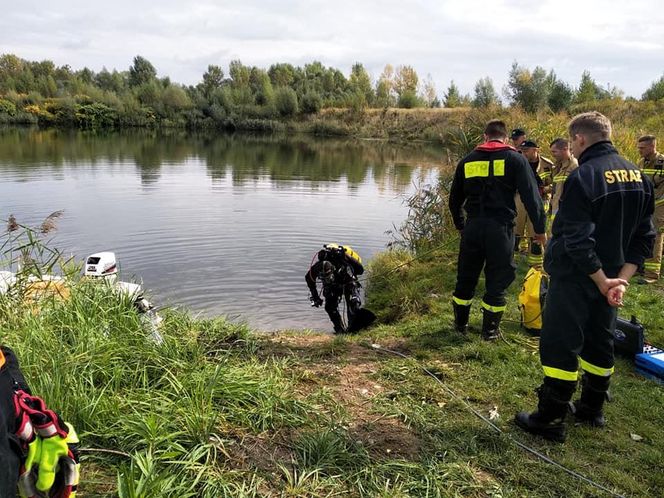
column 239, row 74
column 212, row 79
column 655, row 91
column 281, row 74
column 561, row 96
column 261, row 87
column 285, row 101
column 429, row 93
column 141, row 72
column 529, row 90
column 385, row 88
column 311, row 102
column 111, row 82
column 360, row 83
column 485, row 94
column 405, row 81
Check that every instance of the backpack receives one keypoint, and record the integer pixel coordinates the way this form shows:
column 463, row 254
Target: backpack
column 531, row 300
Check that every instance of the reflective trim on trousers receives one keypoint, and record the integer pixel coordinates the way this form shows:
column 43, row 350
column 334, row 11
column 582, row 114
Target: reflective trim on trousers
column 594, row 369
column 557, row 373
column 462, row 302
column 493, row 309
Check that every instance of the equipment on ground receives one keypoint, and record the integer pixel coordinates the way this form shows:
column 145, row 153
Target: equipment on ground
column 628, row 337
column 650, row 363
column 531, row 300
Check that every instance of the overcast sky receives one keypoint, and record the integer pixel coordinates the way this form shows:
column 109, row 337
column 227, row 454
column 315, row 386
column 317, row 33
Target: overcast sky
column 620, row 42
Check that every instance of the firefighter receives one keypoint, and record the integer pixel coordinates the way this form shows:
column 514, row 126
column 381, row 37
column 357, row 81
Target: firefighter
column 517, row 137
column 338, row 267
column 602, row 233
column 652, row 165
column 484, row 186
column 563, row 165
column 38, row 455
column 542, row 168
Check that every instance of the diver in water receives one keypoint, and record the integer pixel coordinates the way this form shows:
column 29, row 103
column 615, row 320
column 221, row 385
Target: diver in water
column 338, row 268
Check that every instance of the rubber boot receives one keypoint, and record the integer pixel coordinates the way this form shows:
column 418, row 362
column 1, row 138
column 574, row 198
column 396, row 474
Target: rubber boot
column 491, row 324
column 548, row 420
column 461, row 314
column 337, row 322
column 588, row 408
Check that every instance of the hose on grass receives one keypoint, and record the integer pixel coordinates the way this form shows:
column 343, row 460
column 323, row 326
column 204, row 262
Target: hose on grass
column 497, row 429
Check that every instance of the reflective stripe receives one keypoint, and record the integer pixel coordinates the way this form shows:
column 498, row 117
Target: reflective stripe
column 462, row 302
column 476, row 168
column 493, row 309
column 535, row 260
column 2, row 359
column 652, row 266
column 659, row 202
column 649, row 171
column 499, row 167
column 545, row 174
column 556, row 373
column 595, row 370
column 559, row 178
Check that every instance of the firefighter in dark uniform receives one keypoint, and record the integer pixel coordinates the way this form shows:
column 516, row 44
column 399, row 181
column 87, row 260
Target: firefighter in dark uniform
column 602, row 233
column 484, row 186
column 338, row 267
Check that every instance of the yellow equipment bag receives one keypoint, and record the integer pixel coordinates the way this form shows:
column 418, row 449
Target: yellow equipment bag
column 531, row 300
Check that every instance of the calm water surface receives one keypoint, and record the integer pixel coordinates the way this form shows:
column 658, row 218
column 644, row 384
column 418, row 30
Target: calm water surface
column 215, row 223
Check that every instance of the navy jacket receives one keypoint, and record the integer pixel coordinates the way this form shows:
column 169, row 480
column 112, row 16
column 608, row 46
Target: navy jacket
column 486, row 181
column 605, row 216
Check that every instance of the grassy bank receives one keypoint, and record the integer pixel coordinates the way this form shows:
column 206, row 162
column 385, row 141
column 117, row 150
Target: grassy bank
column 218, row 410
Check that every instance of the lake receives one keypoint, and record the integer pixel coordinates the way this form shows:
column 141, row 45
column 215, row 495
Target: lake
column 218, row 224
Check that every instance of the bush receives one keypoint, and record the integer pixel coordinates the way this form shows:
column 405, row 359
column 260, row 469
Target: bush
column 408, row 100
column 311, row 103
column 7, row 107
column 96, row 116
column 285, row 102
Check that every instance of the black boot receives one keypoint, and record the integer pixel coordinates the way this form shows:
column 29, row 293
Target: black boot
column 491, row 324
column 594, row 392
column 461, row 314
column 548, row 420
column 337, row 322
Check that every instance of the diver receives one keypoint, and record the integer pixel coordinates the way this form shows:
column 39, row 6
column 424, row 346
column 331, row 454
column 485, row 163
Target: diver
column 338, row 268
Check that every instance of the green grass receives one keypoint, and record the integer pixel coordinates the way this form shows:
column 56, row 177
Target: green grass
column 217, row 410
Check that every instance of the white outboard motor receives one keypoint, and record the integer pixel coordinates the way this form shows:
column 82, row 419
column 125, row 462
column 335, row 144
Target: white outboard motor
column 101, row 264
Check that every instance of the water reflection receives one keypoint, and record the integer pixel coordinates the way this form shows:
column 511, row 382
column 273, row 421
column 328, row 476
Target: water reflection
column 222, row 224
column 279, row 158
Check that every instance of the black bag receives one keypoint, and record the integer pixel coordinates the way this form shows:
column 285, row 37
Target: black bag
column 628, row 337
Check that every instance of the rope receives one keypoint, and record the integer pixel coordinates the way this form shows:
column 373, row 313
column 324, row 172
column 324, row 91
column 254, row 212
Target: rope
column 497, row 429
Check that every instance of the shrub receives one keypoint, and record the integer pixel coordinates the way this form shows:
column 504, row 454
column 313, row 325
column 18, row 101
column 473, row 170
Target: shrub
column 285, row 102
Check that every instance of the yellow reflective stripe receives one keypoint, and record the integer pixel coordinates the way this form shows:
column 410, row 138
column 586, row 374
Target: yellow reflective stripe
column 559, row 178
column 499, row 167
column 545, row 174
column 659, row 202
column 493, row 309
column 652, row 266
column 556, row 373
column 476, row 168
column 595, row 370
column 462, row 302
column 649, row 171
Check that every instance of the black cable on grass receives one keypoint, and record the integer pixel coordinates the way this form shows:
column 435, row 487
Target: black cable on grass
column 497, row 429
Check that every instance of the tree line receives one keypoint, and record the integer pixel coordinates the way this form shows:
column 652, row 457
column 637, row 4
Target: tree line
column 44, row 93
